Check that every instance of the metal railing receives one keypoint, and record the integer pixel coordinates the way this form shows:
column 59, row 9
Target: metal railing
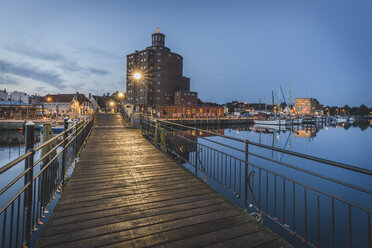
column 304, row 210
column 26, row 198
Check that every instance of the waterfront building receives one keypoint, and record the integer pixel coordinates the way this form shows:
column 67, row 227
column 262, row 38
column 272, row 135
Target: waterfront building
column 66, row 104
column 244, row 107
column 17, row 96
column 306, row 106
column 162, row 72
column 4, row 96
column 15, row 110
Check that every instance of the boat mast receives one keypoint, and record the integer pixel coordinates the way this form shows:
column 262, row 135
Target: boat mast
column 272, row 99
column 289, row 94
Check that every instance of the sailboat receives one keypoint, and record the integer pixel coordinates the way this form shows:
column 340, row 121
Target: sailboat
column 271, row 120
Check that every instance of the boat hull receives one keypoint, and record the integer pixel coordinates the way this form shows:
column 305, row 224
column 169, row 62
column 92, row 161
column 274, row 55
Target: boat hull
column 270, row 122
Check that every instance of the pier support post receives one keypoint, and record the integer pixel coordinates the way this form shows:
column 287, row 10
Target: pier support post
column 29, row 162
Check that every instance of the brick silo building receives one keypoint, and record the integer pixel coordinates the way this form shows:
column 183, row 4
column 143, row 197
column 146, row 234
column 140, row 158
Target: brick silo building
column 162, row 72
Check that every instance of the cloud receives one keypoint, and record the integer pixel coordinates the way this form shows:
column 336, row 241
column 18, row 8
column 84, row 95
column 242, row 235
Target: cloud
column 99, row 53
column 64, row 62
column 32, row 72
column 33, row 53
column 97, row 71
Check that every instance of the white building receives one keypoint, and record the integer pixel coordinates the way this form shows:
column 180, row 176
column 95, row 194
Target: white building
column 66, row 104
column 4, row 95
column 19, row 97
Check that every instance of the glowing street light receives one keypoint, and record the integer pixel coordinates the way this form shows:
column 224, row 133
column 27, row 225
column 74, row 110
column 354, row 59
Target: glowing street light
column 137, row 75
column 112, row 103
column 120, row 94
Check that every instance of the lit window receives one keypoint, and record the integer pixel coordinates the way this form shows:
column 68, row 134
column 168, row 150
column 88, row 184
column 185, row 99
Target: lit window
column 169, row 55
column 158, row 67
column 159, row 60
column 158, row 82
column 158, row 75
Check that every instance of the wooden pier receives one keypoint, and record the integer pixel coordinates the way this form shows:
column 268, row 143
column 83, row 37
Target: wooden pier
column 124, row 192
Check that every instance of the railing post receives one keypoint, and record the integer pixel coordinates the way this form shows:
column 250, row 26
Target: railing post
column 65, row 126
column 246, row 175
column 29, row 142
column 76, row 138
column 172, row 140
column 196, row 159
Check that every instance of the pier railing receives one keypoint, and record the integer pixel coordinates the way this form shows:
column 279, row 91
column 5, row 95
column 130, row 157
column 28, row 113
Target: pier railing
column 307, row 207
column 26, row 198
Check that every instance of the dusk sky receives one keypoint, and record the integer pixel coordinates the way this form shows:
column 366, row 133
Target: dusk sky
column 232, row 50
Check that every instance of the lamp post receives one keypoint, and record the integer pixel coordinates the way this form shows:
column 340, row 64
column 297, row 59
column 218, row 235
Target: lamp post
column 137, row 76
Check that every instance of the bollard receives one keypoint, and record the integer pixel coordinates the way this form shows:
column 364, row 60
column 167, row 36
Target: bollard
column 29, row 141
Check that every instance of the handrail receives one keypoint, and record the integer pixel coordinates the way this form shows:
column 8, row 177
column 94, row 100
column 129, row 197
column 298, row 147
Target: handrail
column 46, row 182
column 14, row 162
column 19, row 159
column 226, row 168
column 321, row 160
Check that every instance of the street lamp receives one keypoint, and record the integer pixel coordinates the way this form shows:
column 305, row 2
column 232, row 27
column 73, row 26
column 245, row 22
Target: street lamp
column 137, row 76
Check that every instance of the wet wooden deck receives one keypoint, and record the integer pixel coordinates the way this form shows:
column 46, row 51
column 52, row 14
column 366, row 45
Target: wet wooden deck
column 126, row 193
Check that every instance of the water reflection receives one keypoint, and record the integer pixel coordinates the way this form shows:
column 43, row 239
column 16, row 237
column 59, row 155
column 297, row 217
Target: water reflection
column 289, row 199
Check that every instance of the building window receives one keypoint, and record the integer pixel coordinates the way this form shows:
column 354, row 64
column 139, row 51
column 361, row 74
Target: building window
column 201, row 111
column 165, row 111
column 158, row 98
column 158, row 82
column 174, row 110
column 159, row 60
column 169, row 55
column 158, row 67
column 158, row 75
column 159, row 54
column 158, row 90
column 167, row 98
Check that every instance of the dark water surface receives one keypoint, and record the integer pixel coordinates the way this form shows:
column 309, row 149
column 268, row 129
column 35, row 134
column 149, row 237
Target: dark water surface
column 325, row 206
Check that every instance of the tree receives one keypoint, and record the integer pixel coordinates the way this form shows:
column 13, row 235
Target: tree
column 327, row 110
column 347, row 109
column 333, row 110
column 363, row 110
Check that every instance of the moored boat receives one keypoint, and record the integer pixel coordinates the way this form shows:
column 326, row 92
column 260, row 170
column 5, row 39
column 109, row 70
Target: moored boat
column 271, row 121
